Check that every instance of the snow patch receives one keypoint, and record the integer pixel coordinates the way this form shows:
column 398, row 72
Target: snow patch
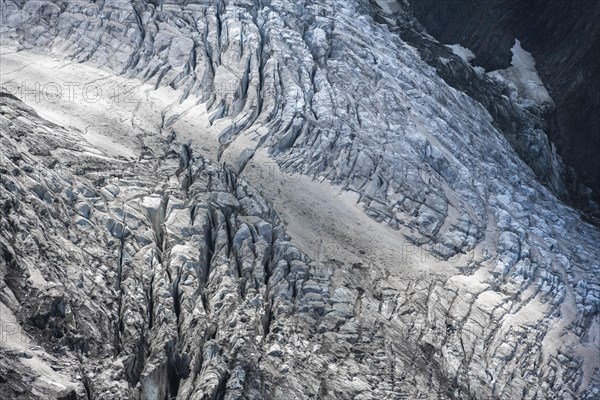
column 389, row 6
column 466, row 54
column 523, row 78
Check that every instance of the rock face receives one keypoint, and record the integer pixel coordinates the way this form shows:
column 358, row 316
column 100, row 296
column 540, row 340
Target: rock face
column 140, row 269
column 564, row 38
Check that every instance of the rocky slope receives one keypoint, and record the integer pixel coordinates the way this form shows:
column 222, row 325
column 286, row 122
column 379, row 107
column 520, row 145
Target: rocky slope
column 564, row 38
column 134, row 267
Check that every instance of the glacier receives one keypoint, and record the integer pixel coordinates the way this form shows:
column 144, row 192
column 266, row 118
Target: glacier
column 276, row 199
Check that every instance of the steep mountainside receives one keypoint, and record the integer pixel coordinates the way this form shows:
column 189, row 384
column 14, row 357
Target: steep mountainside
column 278, row 200
column 564, row 38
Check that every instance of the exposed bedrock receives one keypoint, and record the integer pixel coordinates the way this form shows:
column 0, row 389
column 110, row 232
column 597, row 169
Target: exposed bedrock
column 563, row 37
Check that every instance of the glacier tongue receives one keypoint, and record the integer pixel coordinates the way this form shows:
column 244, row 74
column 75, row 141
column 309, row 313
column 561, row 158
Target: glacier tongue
column 134, row 266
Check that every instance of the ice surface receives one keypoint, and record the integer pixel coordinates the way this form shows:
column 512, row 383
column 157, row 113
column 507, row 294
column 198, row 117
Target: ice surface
column 423, row 255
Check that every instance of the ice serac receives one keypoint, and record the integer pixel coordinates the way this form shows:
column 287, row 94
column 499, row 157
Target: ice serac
column 171, row 277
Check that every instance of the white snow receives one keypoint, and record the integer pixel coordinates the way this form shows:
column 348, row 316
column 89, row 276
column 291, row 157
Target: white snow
column 389, row 6
column 466, row 54
column 325, row 222
column 523, row 77
column 106, row 144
